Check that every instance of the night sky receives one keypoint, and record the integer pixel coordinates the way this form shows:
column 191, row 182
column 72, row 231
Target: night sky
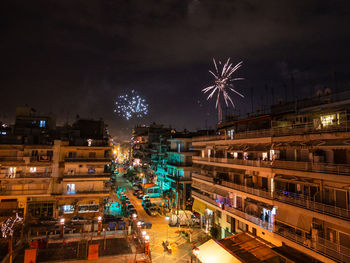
column 75, row 57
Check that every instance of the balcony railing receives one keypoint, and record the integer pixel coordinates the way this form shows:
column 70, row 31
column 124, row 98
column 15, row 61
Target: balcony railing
column 329, row 249
column 87, row 175
column 285, row 197
column 297, row 129
column 236, row 212
column 320, row 245
column 25, row 175
column 278, row 164
column 11, row 192
column 87, row 159
column 305, row 201
column 11, row 159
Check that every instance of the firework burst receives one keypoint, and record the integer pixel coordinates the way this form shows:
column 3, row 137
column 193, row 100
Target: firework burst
column 131, row 105
column 223, row 83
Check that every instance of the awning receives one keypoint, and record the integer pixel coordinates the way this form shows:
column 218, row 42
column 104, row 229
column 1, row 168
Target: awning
column 212, row 252
column 199, row 206
column 299, row 221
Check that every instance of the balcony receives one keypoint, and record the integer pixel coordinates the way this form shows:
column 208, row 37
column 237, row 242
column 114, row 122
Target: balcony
column 235, row 211
column 20, row 175
column 297, row 129
column 322, row 246
column 29, row 192
column 287, row 165
column 306, row 202
column 285, row 197
column 87, row 159
column 86, row 175
column 11, row 159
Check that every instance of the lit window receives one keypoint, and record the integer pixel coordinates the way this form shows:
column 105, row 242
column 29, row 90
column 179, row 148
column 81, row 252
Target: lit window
column 12, row 172
column 329, row 120
column 32, row 169
column 42, row 124
column 3, row 133
column 70, row 188
column 68, row 209
column 89, row 141
column 235, row 155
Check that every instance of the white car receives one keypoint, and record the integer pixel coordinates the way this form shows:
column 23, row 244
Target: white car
column 145, row 197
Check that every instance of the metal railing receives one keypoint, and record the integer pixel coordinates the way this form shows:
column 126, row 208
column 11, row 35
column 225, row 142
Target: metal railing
column 305, row 201
column 242, row 188
column 11, row 192
column 236, row 212
column 279, row 164
column 11, row 159
column 320, row 245
column 297, row 129
column 87, row 175
column 282, row 196
column 87, row 159
column 25, row 175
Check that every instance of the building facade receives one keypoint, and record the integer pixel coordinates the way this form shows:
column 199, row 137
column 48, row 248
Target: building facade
column 48, row 171
column 283, row 177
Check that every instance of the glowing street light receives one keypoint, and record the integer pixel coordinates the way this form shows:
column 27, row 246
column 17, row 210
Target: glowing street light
column 62, row 227
column 99, row 226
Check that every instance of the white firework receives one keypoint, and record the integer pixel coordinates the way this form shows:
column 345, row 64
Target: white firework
column 131, row 105
column 223, row 83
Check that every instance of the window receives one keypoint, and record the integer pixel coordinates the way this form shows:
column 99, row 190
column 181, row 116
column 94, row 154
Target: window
column 70, row 188
column 228, row 219
column 88, row 208
column 34, row 153
column 32, row 169
column 218, row 213
column 68, row 209
column 72, row 154
column 12, row 172
column 91, row 170
column 89, row 142
column 42, row 124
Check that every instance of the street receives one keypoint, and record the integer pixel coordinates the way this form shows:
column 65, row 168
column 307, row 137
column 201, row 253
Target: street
column 160, row 231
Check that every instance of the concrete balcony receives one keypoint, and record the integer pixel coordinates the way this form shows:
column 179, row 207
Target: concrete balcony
column 285, row 197
column 87, row 176
column 334, row 251
column 307, row 203
column 328, row 168
column 25, row 192
column 298, row 129
column 234, row 211
column 20, row 175
column 87, row 159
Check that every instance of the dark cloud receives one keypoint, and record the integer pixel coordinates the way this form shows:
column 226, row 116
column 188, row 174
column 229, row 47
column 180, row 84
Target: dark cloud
column 76, row 56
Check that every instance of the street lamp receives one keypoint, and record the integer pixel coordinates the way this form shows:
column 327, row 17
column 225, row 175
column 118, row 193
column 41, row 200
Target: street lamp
column 134, row 216
column 167, row 227
column 99, row 226
column 62, row 227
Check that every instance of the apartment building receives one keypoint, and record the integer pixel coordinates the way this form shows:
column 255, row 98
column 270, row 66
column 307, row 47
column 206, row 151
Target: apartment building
column 283, row 176
column 52, row 171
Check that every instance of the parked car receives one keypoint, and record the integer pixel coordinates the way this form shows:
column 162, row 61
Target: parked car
column 136, row 192
column 146, row 203
column 129, row 206
column 146, row 197
column 140, row 195
column 152, row 211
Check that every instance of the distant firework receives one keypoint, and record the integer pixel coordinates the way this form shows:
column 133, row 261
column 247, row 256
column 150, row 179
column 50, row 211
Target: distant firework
column 131, row 105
